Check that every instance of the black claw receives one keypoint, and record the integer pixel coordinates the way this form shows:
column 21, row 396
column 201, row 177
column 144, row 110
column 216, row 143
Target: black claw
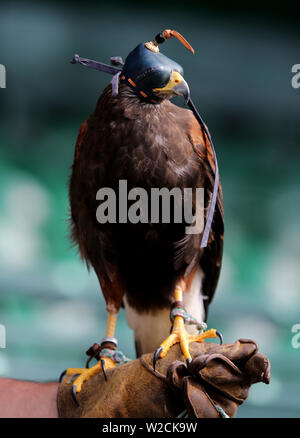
column 156, row 355
column 103, row 369
column 220, row 336
column 188, row 362
column 62, row 375
column 74, row 394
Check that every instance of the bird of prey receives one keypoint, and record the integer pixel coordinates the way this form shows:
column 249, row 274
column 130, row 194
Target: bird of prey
column 137, row 135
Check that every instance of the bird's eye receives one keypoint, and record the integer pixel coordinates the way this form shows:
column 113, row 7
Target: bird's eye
column 177, row 81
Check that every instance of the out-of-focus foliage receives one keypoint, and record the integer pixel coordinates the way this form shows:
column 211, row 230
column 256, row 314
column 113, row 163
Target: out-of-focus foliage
column 240, row 79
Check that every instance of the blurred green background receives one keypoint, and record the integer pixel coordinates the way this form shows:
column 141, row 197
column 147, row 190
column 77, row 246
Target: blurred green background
column 240, row 80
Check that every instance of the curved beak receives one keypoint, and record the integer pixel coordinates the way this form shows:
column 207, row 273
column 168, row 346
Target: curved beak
column 176, row 86
column 182, row 89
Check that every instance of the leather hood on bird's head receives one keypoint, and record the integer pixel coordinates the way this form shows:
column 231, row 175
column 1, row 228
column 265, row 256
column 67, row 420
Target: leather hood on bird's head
column 145, row 70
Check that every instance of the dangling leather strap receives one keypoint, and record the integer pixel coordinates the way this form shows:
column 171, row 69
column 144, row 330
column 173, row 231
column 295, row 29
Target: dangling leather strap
column 212, row 206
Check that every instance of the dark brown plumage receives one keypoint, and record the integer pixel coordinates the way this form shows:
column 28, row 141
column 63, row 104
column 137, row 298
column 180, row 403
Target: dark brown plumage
column 149, row 145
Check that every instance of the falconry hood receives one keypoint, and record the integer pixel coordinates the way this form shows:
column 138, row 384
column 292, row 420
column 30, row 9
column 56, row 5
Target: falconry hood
column 155, row 77
column 147, row 71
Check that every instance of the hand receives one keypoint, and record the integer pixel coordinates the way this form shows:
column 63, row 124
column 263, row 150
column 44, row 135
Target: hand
column 218, row 380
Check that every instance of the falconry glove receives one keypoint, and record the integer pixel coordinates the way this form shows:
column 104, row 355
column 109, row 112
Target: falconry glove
column 214, row 384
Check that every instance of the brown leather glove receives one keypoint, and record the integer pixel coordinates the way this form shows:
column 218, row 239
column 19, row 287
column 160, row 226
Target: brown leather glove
column 216, row 382
column 220, row 378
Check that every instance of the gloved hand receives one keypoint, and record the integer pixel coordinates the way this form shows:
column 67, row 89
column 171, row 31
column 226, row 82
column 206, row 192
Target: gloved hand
column 216, row 382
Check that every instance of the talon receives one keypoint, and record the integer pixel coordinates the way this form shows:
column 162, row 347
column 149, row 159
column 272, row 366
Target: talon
column 156, row 356
column 103, row 369
column 62, row 375
column 220, row 336
column 188, row 362
column 74, row 394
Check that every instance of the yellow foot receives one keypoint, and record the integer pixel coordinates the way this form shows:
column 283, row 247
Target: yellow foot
column 84, row 374
column 180, row 335
column 71, row 371
column 184, row 339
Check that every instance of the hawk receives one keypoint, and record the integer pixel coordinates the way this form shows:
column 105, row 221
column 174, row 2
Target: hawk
column 137, row 135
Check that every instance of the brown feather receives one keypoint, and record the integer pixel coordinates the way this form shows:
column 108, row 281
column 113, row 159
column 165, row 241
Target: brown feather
column 149, row 146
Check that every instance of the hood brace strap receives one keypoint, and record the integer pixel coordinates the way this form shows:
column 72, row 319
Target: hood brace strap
column 115, row 71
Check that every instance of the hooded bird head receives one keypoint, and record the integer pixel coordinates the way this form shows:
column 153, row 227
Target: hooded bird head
column 152, row 75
